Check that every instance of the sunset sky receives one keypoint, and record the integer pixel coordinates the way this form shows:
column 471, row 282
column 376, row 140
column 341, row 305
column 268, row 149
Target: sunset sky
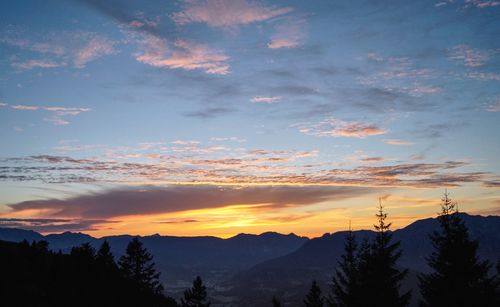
column 216, row 117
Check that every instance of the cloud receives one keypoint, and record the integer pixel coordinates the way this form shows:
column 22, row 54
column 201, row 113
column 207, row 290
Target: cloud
column 226, row 13
column 210, row 112
column 491, row 184
column 59, row 49
column 468, row 56
column 290, row 34
column 95, row 48
column 58, row 113
column 266, row 99
column 222, row 166
column 372, row 159
column 30, row 64
column 483, row 76
column 495, row 107
column 52, row 225
column 333, row 127
column 182, row 54
column 129, row 201
column 398, row 142
column 228, row 139
column 482, row 3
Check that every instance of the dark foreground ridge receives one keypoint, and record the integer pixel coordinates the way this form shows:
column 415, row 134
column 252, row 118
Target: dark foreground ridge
column 248, row 270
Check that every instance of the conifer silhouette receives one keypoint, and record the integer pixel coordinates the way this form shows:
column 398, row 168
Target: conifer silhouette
column 345, row 280
column 314, row 298
column 379, row 277
column 104, row 257
column 458, row 278
column 137, row 266
column 196, row 296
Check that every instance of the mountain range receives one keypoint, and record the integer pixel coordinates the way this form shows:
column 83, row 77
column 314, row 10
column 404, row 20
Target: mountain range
column 248, row 270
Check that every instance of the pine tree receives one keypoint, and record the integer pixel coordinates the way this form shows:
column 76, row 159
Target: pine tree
column 379, row 278
column 276, row 302
column 346, row 275
column 137, row 266
column 314, row 298
column 458, row 278
column 104, row 257
column 196, row 296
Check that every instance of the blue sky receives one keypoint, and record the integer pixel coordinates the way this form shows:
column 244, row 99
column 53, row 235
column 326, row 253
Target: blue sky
column 392, row 99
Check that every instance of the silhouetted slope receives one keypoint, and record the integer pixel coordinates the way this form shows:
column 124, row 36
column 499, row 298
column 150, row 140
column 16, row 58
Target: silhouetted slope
column 292, row 274
column 179, row 258
column 32, row 275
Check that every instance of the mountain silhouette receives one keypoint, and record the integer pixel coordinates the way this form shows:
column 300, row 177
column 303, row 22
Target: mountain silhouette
column 248, row 269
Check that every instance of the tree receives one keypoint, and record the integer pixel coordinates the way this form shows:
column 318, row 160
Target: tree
column 196, row 296
column 458, row 278
column 314, row 298
column 104, row 257
column 345, row 280
column 137, row 266
column 276, row 302
column 379, row 278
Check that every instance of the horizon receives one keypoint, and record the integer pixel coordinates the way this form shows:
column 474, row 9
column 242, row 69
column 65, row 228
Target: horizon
column 219, row 117
column 237, row 234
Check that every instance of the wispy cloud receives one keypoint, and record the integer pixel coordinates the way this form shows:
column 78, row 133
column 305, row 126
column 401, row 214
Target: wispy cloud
column 482, row 3
column 30, row 64
column 58, row 113
column 195, row 165
column 398, row 142
column 97, row 47
column 468, row 56
column 226, row 13
column 59, row 49
column 333, row 127
column 494, row 107
column 266, row 99
column 289, row 34
column 182, row 54
column 53, row 225
column 483, row 76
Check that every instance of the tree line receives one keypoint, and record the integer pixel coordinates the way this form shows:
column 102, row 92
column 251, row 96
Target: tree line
column 367, row 274
column 32, row 275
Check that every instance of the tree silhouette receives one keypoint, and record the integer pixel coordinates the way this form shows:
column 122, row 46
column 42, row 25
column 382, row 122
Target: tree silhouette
column 458, row 278
column 314, row 298
column 379, row 277
column 137, row 266
column 104, row 257
column 345, row 280
column 196, row 296
column 276, row 302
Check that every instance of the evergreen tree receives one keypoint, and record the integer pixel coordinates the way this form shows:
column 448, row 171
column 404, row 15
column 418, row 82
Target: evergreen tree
column 379, row 278
column 137, row 266
column 346, row 275
column 458, row 278
column 104, row 257
column 196, row 296
column 276, row 302
column 314, row 298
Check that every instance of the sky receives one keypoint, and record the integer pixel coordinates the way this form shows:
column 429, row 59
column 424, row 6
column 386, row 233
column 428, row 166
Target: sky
column 217, row 117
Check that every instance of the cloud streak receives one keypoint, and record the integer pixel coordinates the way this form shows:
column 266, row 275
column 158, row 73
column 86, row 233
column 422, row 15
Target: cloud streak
column 226, row 13
column 182, row 54
column 130, row 201
column 333, row 127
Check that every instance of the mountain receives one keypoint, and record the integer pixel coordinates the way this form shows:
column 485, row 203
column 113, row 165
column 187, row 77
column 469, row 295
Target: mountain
column 290, row 276
column 180, row 259
column 248, row 270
